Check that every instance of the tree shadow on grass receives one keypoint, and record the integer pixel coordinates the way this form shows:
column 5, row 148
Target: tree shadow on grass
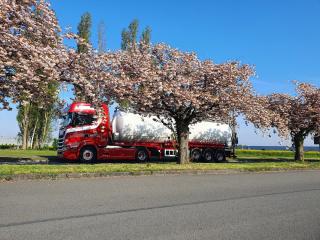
column 53, row 160
column 32, row 160
column 270, row 160
column 152, row 160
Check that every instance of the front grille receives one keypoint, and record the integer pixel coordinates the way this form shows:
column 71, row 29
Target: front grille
column 61, row 140
column 60, row 143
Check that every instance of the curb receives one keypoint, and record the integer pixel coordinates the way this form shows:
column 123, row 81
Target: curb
column 140, row 173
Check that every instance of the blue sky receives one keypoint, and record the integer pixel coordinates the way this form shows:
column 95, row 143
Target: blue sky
column 280, row 38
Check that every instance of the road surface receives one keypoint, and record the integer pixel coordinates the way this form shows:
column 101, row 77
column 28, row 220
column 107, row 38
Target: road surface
column 236, row 206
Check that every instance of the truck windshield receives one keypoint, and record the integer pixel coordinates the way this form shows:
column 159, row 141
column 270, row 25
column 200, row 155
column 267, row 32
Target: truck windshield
column 82, row 119
column 77, row 119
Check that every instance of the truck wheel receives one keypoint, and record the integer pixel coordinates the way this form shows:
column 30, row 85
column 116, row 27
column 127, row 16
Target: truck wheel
column 220, row 156
column 208, row 155
column 195, row 155
column 88, row 155
column 141, row 155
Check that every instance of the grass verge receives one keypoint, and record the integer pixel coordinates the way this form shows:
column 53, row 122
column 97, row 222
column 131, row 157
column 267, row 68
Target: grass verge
column 274, row 154
column 10, row 171
column 248, row 160
column 14, row 155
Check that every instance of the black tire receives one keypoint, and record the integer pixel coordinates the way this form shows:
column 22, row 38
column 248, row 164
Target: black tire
column 142, row 155
column 88, row 155
column 208, row 155
column 220, row 156
column 195, row 155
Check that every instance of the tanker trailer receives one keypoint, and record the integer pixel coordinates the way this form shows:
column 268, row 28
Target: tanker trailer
column 207, row 140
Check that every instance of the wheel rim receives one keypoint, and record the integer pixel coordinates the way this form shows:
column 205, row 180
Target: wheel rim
column 208, row 156
column 142, row 155
column 195, row 155
column 87, row 155
column 220, row 157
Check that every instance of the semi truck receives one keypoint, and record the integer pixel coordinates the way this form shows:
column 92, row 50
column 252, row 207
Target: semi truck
column 87, row 134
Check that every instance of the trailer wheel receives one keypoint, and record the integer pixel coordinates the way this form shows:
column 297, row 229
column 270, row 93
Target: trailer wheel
column 88, row 155
column 208, row 155
column 220, row 156
column 142, row 155
column 195, row 155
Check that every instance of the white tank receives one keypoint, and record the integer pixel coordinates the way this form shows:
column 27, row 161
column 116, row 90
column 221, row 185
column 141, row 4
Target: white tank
column 206, row 131
column 133, row 127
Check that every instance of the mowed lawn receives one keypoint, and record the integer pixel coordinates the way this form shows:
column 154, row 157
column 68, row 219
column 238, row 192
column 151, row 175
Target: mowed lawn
column 27, row 154
column 274, row 154
column 248, row 160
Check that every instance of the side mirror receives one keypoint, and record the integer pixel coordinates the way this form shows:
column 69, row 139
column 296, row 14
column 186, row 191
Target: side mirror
column 316, row 139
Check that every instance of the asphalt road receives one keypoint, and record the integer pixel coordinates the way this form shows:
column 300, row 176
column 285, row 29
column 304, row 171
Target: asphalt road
column 235, row 206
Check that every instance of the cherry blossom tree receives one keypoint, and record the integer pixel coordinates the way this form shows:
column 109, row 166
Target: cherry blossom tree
column 89, row 71
column 31, row 50
column 181, row 89
column 301, row 114
column 32, row 55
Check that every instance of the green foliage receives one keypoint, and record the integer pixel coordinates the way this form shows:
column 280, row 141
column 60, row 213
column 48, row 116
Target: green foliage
column 35, row 120
column 55, row 144
column 133, row 30
column 129, row 36
column 125, row 39
column 84, row 31
column 146, row 36
column 8, row 146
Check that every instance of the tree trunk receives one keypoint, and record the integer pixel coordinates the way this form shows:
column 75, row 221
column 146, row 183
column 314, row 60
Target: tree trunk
column 25, row 125
column 33, row 134
column 233, row 140
column 25, row 139
column 298, row 144
column 183, row 147
column 44, row 133
column 36, row 143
